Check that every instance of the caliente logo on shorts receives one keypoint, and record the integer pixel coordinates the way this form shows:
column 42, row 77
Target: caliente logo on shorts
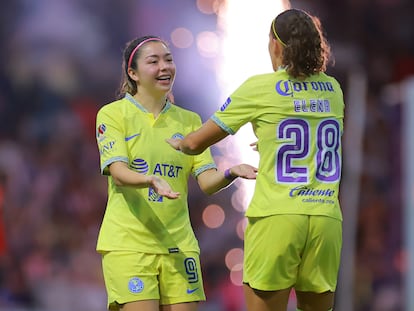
column 135, row 285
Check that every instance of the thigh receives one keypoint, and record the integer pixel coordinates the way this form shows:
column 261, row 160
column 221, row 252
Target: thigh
column 130, row 277
column 181, row 279
column 318, row 272
column 257, row 300
column 272, row 252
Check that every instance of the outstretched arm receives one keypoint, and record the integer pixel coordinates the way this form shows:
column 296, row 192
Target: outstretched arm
column 125, row 177
column 212, row 181
column 198, row 141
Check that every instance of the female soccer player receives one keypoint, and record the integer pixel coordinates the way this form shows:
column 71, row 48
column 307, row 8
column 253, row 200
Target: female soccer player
column 150, row 255
column 293, row 238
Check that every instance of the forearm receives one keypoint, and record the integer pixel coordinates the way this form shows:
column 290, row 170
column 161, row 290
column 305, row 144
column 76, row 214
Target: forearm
column 189, row 145
column 198, row 141
column 212, row 181
column 125, row 177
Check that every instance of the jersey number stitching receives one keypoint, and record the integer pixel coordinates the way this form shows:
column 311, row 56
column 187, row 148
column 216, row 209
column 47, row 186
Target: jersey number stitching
column 296, row 134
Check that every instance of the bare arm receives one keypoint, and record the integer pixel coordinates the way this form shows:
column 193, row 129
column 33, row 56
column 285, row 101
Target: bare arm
column 198, row 141
column 212, row 181
column 125, row 177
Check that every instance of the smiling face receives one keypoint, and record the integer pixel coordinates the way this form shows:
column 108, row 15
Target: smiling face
column 155, row 72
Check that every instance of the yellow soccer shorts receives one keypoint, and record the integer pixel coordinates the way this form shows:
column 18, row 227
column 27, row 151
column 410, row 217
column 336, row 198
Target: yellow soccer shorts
column 299, row 251
column 169, row 278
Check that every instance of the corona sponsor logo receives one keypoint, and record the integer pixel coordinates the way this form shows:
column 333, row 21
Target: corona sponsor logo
column 288, row 87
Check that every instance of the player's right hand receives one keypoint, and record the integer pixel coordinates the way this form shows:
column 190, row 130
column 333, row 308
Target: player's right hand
column 163, row 188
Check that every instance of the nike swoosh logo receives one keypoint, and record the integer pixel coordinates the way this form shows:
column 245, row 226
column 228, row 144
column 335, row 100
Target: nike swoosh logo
column 132, row 136
column 190, row 291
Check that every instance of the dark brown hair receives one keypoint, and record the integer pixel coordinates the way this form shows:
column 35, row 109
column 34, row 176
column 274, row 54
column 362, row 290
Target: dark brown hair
column 306, row 50
column 127, row 84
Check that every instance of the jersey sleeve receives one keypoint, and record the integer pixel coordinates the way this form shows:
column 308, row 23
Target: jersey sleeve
column 110, row 138
column 239, row 108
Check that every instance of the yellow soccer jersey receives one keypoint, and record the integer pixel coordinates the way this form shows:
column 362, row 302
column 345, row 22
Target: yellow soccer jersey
column 299, row 125
column 140, row 219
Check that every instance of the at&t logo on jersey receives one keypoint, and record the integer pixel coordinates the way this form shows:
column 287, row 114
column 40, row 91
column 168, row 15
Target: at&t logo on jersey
column 161, row 169
column 139, row 165
column 165, row 169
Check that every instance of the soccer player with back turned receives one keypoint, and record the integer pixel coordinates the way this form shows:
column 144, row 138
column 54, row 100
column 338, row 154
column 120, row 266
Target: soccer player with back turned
column 293, row 238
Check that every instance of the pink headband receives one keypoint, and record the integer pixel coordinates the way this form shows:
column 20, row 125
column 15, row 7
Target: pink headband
column 138, row 46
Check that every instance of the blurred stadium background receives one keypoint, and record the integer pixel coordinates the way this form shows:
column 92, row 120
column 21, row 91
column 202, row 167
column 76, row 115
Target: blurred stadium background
column 60, row 61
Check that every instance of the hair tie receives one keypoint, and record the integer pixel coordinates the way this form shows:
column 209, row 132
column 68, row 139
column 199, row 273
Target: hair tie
column 138, row 46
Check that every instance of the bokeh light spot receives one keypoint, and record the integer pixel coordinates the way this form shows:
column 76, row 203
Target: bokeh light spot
column 233, row 257
column 241, row 228
column 206, row 6
column 239, row 199
column 182, row 38
column 213, row 216
column 236, row 275
column 208, row 44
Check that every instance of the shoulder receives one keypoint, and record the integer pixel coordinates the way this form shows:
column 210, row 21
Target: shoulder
column 331, row 79
column 114, row 107
column 186, row 113
column 262, row 78
column 336, row 86
column 260, row 82
column 255, row 85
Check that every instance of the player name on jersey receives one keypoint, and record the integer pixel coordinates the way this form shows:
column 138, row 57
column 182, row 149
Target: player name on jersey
column 311, row 105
